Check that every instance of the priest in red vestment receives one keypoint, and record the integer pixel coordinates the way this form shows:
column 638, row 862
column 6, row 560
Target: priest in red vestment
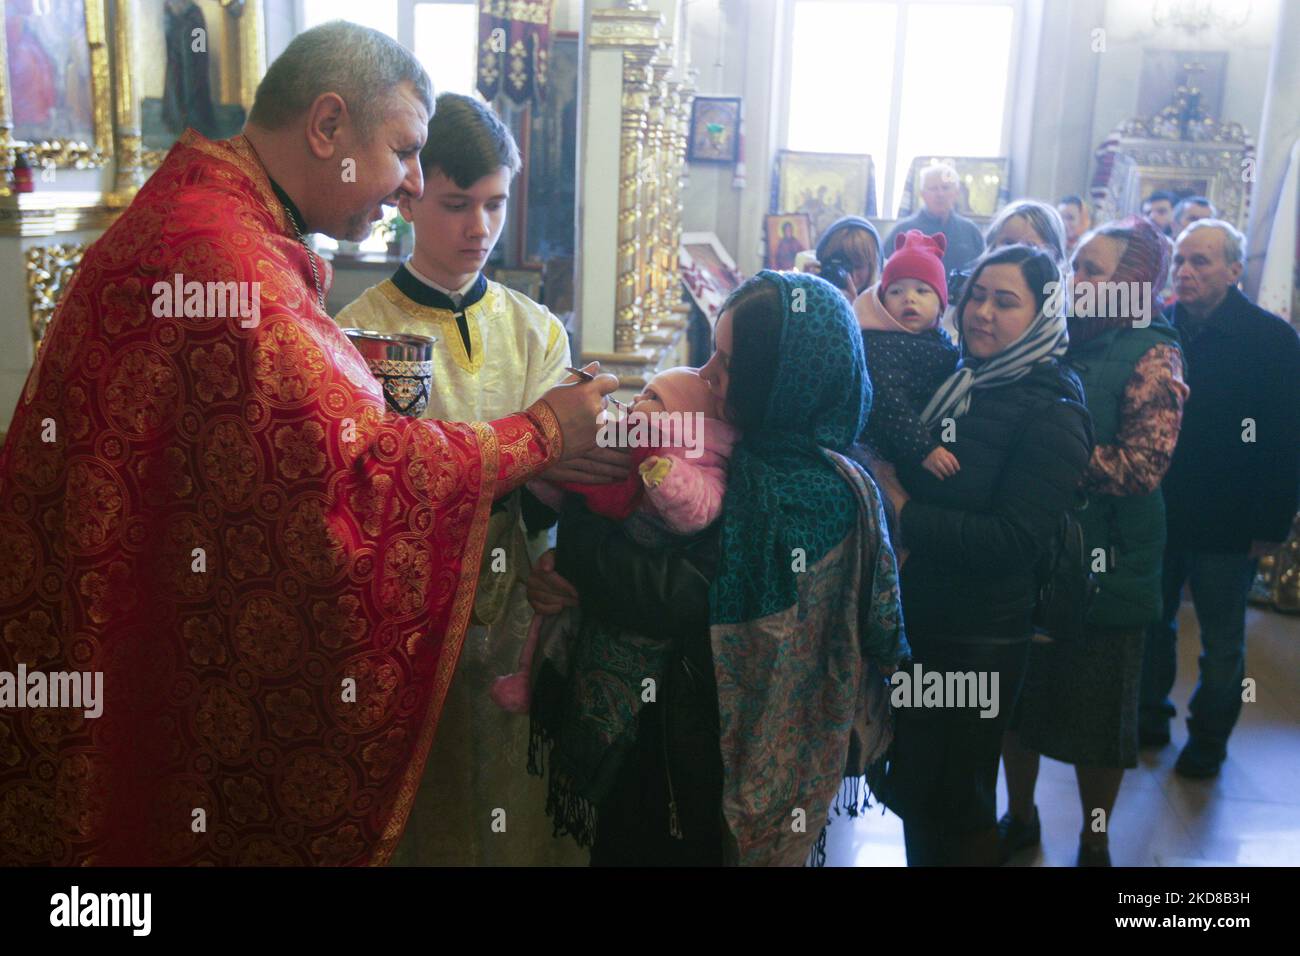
column 213, row 509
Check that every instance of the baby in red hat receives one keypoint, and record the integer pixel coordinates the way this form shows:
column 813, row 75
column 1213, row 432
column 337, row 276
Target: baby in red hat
column 908, row 354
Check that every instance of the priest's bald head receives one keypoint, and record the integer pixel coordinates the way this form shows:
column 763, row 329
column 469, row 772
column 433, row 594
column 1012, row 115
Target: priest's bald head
column 338, row 121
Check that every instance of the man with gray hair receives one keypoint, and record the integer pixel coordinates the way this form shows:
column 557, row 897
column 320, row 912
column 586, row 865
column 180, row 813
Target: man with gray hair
column 940, row 191
column 273, row 573
column 1230, row 492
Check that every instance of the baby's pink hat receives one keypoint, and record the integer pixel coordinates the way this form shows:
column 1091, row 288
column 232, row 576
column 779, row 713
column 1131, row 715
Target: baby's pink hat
column 682, row 390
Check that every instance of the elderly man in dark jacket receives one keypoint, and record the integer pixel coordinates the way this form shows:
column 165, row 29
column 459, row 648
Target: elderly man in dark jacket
column 1230, row 492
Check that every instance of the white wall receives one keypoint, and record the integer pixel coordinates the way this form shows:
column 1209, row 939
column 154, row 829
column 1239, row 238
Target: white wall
column 1129, row 29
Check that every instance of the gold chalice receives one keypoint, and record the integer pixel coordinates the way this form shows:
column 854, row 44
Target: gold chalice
column 402, row 363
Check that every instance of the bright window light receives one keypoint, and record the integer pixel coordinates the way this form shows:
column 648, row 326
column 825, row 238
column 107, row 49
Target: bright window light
column 379, row 14
column 446, row 41
column 954, row 83
column 952, row 99
column 839, row 95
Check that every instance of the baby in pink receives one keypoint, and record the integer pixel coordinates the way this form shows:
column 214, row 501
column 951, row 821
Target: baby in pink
column 681, row 447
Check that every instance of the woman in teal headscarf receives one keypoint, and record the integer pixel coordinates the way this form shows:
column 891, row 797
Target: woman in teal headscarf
column 715, row 696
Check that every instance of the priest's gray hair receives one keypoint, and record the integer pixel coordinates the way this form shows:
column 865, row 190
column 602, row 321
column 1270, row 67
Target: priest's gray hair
column 1234, row 243
column 356, row 62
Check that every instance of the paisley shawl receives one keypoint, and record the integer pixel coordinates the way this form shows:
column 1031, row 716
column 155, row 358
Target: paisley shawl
column 805, row 603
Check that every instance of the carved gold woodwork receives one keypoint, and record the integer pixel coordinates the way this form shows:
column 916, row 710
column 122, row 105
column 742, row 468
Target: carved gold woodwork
column 652, row 150
column 49, row 269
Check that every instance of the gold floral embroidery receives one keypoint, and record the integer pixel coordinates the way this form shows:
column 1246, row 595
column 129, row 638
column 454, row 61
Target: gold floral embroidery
column 143, row 392
column 245, row 799
column 224, row 722
column 50, row 726
column 214, row 372
column 406, row 576
column 175, row 560
column 287, row 369
column 109, row 594
column 339, row 625
column 78, row 800
column 266, row 852
column 18, row 564
column 314, row 787
column 339, row 849
column 27, row 822
column 93, row 504
column 310, row 543
column 381, row 756
column 164, row 477
column 368, row 503
column 300, row 449
column 267, row 635
column 9, row 752
column 376, row 686
column 74, row 410
column 124, row 304
column 246, row 552
column 204, row 641
column 293, row 713
column 33, row 640
column 230, row 463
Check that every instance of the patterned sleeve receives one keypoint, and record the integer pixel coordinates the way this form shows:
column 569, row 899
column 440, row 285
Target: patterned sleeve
column 1149, row 419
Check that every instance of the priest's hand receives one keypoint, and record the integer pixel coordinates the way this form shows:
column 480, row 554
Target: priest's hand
column 600, row 466
column 580, row 409
column 548, row 592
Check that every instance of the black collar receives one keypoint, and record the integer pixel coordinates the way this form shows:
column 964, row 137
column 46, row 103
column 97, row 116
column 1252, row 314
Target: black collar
column 421, row 293
column 1220, row 318
column 290, row 207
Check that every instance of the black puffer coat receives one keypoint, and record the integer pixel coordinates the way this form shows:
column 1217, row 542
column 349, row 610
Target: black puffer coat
column 974, row 539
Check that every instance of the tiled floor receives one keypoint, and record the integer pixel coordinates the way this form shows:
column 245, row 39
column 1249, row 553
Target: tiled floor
column 1248, row 816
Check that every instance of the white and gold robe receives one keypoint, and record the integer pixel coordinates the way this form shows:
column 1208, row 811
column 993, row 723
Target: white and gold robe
column 477, row 805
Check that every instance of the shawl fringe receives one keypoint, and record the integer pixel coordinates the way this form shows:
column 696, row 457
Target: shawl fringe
column 571, row 814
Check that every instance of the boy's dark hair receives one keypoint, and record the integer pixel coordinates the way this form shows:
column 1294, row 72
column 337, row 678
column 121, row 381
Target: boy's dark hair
column 1071, row 200
column 1158, row 195
column 1036, row 265
column 757, row 318
column 467, row 141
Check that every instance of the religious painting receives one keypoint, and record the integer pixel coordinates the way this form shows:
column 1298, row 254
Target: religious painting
column 982, row 185
column 1200, row 72
column 715, row 130
column 546, row 225
column 527, row 281
column 786, row 235
column 197, row 66
column 824, row 186
column 708, row 272
column 54, row 81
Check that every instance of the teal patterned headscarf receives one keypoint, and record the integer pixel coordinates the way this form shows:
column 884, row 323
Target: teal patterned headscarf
column 784, row 497
column 805, row 600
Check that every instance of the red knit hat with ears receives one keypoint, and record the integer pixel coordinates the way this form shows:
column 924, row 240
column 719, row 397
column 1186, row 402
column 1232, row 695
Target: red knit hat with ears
column 918, row 256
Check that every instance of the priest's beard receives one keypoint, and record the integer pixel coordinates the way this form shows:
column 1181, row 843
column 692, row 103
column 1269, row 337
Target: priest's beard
column 357, row 228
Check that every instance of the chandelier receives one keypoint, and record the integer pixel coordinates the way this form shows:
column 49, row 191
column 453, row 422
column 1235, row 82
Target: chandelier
column 1194, row 16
